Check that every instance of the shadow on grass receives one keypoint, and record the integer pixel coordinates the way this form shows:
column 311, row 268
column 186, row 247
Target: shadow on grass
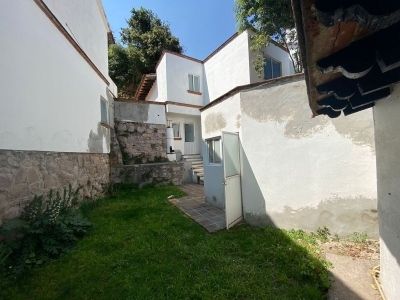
column 142, row 247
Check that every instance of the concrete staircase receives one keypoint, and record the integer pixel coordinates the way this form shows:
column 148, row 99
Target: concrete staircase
column 197, row 167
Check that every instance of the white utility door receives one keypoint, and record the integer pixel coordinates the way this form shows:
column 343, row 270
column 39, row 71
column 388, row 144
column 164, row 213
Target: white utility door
column 190, row 142
column 233, row 187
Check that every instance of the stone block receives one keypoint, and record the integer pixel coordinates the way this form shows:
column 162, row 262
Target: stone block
column 32, row 176
column 50, row 182
column 19, row 191
column 36, row 188
column 5, row 181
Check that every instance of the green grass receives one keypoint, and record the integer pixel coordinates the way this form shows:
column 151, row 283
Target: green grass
column 142, row 247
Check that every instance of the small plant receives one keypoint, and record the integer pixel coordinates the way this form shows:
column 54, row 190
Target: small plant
column 323, row 234
column 125, row 157
column 336, row 238
column 45, row 229
column 158, row 159
column 138, row 160
column 358, row 238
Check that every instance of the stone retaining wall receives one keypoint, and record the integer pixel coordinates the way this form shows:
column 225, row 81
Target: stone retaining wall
column 157, row 173
column 24, row 174
column 141, row 143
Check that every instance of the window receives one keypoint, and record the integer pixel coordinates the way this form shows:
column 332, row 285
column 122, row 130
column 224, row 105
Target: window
column 177, row 132
column 189, row 133
column 272, row 68
column 214, row 151
column 104, row 110
column 194, row 83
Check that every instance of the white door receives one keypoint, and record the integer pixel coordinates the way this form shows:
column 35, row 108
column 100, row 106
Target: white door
column 190, row 142
column 233, row 188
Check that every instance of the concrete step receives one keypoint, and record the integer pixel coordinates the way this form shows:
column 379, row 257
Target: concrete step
column 202, row 178
column 191, row 156
column 201, row 174
column 198, row 169
column 193, row 159
column 196, row 163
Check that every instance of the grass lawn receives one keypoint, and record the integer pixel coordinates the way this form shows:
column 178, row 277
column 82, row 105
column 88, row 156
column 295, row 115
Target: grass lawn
column 142, row 247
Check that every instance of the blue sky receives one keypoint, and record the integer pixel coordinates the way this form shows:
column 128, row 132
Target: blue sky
column 201, row 26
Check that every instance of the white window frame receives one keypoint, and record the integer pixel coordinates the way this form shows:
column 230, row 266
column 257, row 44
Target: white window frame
column 102, row 100
column 272, row 69
column 192, row 79
column 179, row 129
column 218, row 138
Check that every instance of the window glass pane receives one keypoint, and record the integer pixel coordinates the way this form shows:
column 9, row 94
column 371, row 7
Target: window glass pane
column 104, row 111
column 231, row 154
column 210, row 152
column 267, row 69
column 175, row 127
column 189, row 133
column 196, row 83
column 276, row 69
column 217, row 151
column 190, row 82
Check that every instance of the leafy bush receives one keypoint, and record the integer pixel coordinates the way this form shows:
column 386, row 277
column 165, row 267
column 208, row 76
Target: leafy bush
column 45, row 229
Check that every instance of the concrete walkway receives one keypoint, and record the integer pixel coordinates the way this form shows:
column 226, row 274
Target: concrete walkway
column 194, row 206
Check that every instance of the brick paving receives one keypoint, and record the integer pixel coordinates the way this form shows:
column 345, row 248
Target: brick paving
column 194, row 206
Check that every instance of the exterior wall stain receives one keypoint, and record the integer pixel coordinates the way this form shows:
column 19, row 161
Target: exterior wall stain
column 214, row 122
column 131, row 111
column 342, row 216
column 238, row 121
column 283, row 100
column 95, row 140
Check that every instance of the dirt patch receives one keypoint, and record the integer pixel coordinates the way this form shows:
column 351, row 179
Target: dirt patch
column 352, row 263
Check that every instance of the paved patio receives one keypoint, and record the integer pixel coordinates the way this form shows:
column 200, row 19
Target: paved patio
column 194, row 206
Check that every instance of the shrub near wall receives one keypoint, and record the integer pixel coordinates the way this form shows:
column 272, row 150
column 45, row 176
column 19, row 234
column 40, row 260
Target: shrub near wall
column 24, row 174
column 141, row 143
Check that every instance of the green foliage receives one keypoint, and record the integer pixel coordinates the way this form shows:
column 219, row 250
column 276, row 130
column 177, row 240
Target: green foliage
column 45, row 229
column 323, row 234
column 270, row 20
column 145, row 248
column 125, row 68
column 144, row 40
column 358, row 238
column 123, row 187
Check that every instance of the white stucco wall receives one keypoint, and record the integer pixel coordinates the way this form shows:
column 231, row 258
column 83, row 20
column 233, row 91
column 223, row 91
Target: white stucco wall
column 143, row 112
column 179, row 144
column 387, row 124
column 86, row 26
column 51, row 96
column 299, row 172
column 161, row 83
column 221, row 117
column 228, row 68
column 183, row 110
column 178, row 69
column 153, row 93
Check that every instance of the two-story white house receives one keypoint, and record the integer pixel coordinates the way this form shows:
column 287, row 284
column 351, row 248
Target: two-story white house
column 186, row 84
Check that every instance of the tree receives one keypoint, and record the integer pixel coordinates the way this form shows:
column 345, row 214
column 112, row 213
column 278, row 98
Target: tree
column 144, row 41
column 269, row 20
